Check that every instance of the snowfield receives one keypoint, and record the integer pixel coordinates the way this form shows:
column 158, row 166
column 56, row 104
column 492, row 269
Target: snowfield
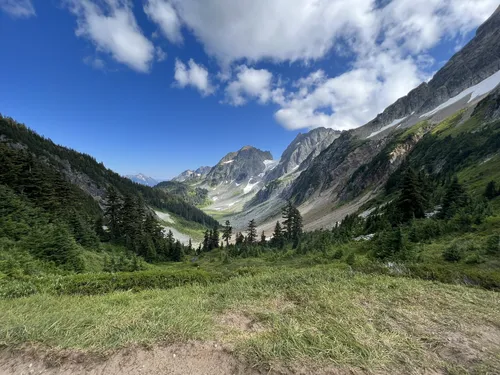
column 480, row 89
column 394, row 123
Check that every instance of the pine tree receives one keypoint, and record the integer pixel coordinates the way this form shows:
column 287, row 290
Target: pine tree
column 411, row 204
column 215, row 238
column 227, row 232
column 287, row 214
column 263, row 241
column 278, row 238
column 296, row 226
column 240, row 238
column 455, row 198
column 491, row 190
column 112, row 212
column 206, row 241
column 251, row 232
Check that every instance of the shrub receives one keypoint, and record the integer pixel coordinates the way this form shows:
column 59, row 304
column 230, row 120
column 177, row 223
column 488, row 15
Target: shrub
column 452, row 253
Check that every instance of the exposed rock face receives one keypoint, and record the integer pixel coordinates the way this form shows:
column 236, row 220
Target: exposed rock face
column 490, row 106
column 142, row 179
column 303, row 147
column 478, row 60
column 335, row 166
column 191, row 175
column 239, row 166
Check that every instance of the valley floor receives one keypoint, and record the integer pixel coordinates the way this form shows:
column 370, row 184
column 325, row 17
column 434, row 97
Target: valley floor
column 282, row 320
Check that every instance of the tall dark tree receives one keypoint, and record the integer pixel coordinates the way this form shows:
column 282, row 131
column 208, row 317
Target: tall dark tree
column 491, row 190
column 215, row 238
column 278, row 237
column 227, row 232
column 240, row 238
column 251, row 232
column 411, row 203
column 112, row 212
column 206, row 241
column 287, row 215
column 263, row 239
column 454, row 198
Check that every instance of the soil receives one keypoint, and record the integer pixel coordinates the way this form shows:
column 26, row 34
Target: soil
column 179, row 359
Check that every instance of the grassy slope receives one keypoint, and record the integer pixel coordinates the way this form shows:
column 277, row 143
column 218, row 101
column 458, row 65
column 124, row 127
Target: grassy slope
column 314, row 315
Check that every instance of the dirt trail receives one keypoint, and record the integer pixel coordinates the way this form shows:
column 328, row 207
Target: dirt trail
column 186, row 359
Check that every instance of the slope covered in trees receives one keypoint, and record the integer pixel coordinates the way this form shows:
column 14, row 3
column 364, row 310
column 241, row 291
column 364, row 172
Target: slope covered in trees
column 96, row 176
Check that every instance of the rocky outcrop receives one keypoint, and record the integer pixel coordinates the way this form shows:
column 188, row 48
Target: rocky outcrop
column 490, row 106
column 303, row 147
column 249, row 162
column 189, row 174
column 478, row 60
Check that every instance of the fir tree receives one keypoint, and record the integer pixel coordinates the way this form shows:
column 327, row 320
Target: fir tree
column 411, row 204
column 263, row 241
column 227, row 232
column 112, row 212
column 251, row 232
column 491, row 190
column 215, row 238
column 278, row 238
column 455, row 198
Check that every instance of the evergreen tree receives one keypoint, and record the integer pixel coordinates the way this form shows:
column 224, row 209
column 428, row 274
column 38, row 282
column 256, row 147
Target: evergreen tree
column 296, row 226
column 263, row 241
column 206, row 241
column 287, row 215
column 240, row 238
column 251, row 232
column 112, row 212
column 227, row 232
column 278, row 237
column 491, row 190
column 215, row 238
column 411, row 203
column 455, row 198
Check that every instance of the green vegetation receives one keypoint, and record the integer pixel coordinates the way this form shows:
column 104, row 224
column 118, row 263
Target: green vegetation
column 318, row 316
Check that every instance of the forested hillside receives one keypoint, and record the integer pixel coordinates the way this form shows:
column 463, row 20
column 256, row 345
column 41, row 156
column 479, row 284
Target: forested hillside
column 61, row 211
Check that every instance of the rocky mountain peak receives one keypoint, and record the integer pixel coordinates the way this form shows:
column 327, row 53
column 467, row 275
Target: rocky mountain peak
column 304, row 147
column 240, row 165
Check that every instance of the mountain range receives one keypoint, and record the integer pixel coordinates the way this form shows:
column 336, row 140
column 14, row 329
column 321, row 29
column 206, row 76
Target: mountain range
column 143, row 179
column 328, row 173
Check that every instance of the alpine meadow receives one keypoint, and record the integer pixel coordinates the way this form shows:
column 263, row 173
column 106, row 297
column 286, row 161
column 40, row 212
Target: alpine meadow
column 370, row 246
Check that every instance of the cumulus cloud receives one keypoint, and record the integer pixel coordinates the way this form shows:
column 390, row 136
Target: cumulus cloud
column 249, row 84
column 18, row 8
column 387, row 44
column 111, row 26
column 161, row 55
column 193, row 75
column 163, row 13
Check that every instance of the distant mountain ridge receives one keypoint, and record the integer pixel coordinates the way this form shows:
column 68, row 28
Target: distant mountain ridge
column 143, row 179
column 189, row 174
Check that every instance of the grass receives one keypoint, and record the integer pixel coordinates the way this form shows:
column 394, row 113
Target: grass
column 317, row 315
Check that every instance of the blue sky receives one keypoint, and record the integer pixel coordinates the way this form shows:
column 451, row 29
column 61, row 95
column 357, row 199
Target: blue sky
column 160, row 86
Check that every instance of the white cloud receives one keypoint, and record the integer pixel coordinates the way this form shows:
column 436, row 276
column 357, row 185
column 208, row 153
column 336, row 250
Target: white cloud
column 112, row 27
column 350, row 99
column 257, row 29
column 161, row 55
column 162, row 13
column 249, row 83
column 193, row 75
column 18, row 8
column 387, row 45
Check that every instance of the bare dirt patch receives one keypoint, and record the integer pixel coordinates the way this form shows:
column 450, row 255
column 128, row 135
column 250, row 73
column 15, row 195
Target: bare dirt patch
column 179, row 359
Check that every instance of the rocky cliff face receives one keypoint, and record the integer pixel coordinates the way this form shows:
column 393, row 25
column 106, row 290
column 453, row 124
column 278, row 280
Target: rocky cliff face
column 189, row 174
column 304, row 147
column 240, row 166
column 478, row 60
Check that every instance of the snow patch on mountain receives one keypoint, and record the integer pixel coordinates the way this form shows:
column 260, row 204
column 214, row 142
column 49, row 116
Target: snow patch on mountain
column 476, row 91
column 383, row 128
